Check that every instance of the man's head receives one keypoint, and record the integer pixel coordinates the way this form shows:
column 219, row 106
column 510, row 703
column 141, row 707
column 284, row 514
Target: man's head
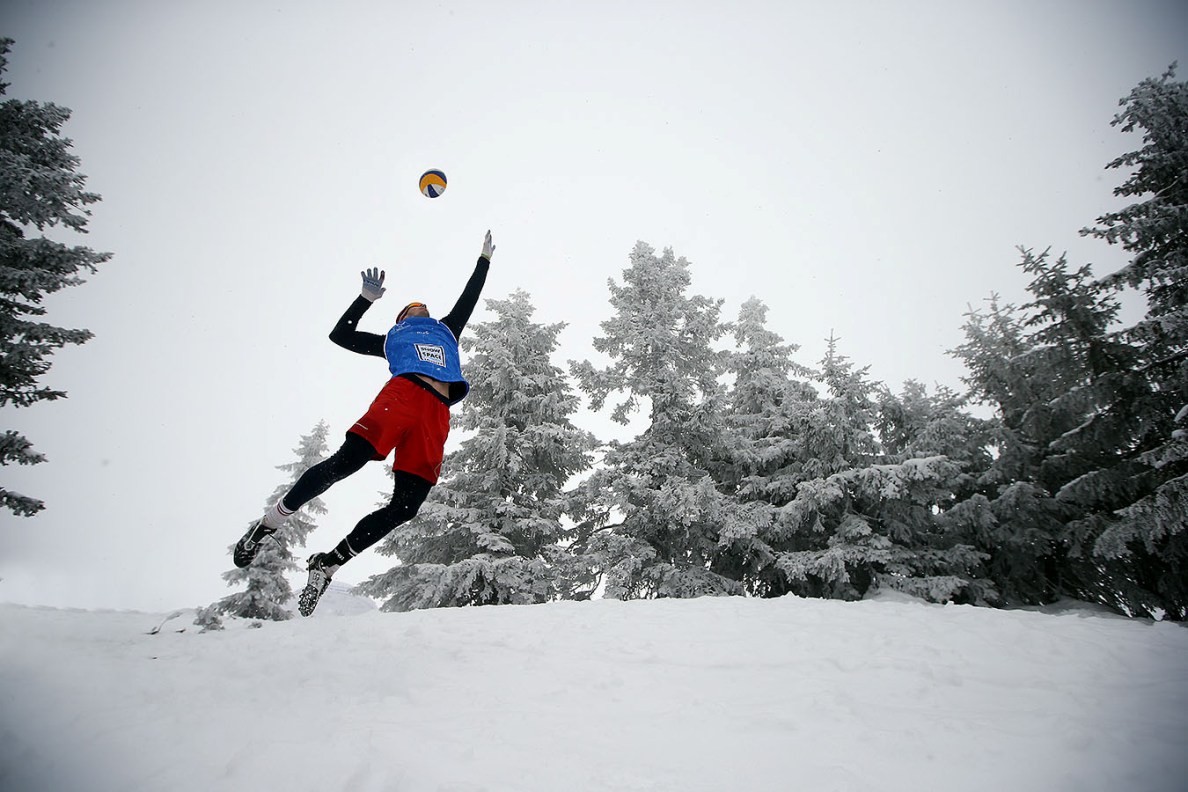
column 412, row 309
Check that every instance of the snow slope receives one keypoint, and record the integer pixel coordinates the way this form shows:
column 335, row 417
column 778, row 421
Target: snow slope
column 709, row 694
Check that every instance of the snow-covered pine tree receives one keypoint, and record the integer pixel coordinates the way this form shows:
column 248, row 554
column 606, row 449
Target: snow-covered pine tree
column 768, row 407
column 267, row 587
column 841, row 435
column 39, row 188
column 491, row 530
column 661, row 345
column 1148, row 535
column 1091, row 481
column 914, row 424
column 1014, row 517
column 863, row 518
column 1095, row 416
column 1092, row 415
column 1155, row 229
column 1078, row 417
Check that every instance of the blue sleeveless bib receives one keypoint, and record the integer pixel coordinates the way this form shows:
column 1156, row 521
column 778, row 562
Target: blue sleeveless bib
column 423, row 345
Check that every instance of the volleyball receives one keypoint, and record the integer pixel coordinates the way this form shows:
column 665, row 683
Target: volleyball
column 433, row 183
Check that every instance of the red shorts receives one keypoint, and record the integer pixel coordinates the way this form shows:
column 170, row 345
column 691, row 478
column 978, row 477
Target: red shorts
column 411, row 420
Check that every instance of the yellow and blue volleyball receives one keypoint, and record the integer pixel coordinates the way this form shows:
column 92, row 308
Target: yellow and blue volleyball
column 433, row 183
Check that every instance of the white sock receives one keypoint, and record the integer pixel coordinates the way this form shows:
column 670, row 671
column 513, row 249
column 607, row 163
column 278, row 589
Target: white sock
column 276, row 516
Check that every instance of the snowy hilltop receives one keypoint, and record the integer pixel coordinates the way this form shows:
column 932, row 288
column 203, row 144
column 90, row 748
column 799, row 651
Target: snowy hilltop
column 734, row 693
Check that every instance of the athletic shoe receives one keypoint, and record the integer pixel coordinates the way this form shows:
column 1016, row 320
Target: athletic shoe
column 247, row 547
column 319, row 579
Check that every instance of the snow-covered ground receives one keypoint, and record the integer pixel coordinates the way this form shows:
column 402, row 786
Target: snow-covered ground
column 709, row 694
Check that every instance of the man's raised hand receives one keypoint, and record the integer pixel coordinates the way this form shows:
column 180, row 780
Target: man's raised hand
column 373, row 284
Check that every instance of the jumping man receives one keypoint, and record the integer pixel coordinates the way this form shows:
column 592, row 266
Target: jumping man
column 411, row 416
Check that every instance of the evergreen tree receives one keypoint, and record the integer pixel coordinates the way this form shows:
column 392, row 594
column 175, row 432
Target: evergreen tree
column 1013, row 516
column 1155, row 230
column 1142, row 539
column 491, row 531
column 1091, row 416
column 863, row 518
column 914, row 424
column 767, row 412
column 660, row 342
column 40, row 188
column 1087, row 494
column 1083, row 434
column 842, row 433
column 268, row 589
column 1089, row 420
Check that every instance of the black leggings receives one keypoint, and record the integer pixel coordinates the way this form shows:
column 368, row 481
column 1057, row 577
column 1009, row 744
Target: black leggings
column 408, row 493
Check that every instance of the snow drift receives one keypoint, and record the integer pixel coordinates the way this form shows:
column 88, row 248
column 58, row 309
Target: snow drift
column 708, row 694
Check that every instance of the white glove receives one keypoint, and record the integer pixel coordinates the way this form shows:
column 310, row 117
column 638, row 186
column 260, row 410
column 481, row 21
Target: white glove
column 488, row 248
column 373, row 284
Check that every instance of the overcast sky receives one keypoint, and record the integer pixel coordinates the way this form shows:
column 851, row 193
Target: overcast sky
column 866, row 168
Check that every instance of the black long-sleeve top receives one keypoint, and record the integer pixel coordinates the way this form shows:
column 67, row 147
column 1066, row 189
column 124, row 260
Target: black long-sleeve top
column 348, row 337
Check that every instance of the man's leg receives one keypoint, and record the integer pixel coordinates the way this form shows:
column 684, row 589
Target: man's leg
column 354, row 453
column 409, row 492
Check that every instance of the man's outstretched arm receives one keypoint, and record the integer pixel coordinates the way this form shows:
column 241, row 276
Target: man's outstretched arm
column 344, row 333
column 459, row 315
